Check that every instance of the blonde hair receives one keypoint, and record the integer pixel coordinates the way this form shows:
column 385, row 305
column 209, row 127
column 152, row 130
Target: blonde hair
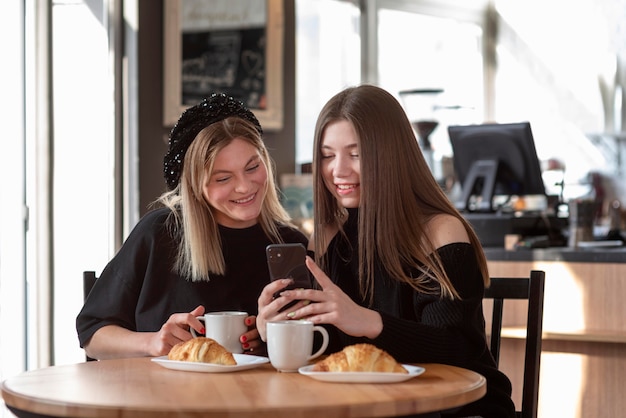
column 191, row 219
column 399, row 195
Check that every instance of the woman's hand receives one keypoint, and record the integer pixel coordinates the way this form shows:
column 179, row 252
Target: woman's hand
column 329, row 306
column 269, row 307
column 175, row 330
column 114, row 341
column 251, row 340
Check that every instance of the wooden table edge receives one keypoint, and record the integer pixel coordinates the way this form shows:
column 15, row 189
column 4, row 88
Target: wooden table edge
column 37, row 407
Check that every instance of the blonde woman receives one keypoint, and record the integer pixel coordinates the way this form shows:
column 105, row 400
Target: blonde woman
column 203, row 250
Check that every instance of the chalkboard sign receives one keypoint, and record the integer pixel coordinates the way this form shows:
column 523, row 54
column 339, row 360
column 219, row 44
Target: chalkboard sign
column 224, row 46
column 231, row 61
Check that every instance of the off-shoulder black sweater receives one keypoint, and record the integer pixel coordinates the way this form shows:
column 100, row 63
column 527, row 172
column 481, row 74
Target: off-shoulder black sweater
column 426, row 328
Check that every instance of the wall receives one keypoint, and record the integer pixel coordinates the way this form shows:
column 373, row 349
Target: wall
column 152, row 135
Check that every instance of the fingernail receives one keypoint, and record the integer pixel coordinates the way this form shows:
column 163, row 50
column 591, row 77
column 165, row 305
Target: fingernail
column 248, row 321
column 291, row 314
column 243, row 339
column 202, row 331
column 306, row 302
column 245, row 345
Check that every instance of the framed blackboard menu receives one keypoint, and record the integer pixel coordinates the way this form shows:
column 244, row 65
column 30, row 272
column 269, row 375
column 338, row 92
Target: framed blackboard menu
column 224, row 46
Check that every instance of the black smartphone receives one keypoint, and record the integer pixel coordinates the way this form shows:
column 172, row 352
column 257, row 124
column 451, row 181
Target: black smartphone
column 286, row 261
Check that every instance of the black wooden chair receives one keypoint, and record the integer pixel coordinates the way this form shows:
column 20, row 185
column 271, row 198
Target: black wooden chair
column 89, row 279
column 532, row 289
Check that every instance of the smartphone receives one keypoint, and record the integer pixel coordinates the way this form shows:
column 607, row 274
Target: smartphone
column 286, row 261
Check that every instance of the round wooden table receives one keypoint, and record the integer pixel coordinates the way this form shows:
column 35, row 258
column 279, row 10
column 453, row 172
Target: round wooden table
column 141, row 388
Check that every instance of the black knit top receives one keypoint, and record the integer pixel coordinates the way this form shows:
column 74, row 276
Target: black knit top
column 426, row 328
column 139, row 290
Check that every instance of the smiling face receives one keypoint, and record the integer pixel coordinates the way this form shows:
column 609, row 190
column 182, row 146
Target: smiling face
column 341, row 166
column 236, row 187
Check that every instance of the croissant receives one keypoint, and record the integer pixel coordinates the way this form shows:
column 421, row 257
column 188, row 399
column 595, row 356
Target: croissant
column 202, row 350
column 359, row 358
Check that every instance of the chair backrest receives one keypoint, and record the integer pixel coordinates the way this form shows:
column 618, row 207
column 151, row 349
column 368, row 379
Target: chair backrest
column 89, row 279
column 532, row 289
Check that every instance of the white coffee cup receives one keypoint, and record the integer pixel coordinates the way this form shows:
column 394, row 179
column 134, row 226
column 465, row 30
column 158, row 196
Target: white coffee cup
column 225, row 327
column 290, row 343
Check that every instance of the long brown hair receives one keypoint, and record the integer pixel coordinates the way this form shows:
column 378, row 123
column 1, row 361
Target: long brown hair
column 200, row 249
column 399, row 195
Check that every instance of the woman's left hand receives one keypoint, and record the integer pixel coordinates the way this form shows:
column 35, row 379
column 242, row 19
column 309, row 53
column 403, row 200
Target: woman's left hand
column 251, row 341
column 333, row 306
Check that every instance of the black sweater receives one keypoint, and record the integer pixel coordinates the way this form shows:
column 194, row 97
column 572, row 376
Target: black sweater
column 138, row 290
column 425, row 328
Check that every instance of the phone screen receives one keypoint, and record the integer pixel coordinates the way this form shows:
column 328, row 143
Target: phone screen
column 286, row 261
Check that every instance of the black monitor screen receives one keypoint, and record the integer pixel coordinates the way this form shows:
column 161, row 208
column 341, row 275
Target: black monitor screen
column 495, row 159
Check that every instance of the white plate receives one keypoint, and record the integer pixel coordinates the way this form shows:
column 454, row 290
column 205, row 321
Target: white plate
column 362, row 377
column 244, row 362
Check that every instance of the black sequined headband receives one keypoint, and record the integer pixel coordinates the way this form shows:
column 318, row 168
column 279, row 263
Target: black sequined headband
column 213, row 109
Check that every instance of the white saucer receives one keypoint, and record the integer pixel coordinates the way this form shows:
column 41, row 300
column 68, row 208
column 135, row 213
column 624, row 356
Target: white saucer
column 244, row 362
column 362, row 377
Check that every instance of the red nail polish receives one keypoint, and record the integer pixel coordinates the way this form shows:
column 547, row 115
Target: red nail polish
column 243, row 339
column 245, row 345
column 202, row 331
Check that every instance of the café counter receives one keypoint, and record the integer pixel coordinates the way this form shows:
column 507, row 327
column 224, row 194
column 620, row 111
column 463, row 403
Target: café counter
column 575, row 255
column 583, row 361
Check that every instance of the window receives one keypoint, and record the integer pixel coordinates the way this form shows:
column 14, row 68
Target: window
column 559, row 93
column 420, row 52
column 419, row 45
column 12, row 213
column 83, row 161
column 56, row 205
column 328, row 59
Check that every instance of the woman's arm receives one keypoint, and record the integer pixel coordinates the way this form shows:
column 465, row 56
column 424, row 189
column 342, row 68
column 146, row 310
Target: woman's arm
column 112, row 341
